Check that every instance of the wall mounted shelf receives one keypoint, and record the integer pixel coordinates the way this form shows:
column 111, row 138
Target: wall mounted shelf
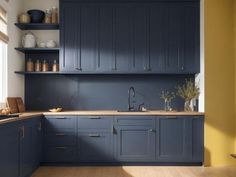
column 38, row 50
column 37, row 73
column 37, row 26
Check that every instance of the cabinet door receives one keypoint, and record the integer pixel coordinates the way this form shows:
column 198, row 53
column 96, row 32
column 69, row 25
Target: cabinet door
column 70, row 37
column 173, row 143
column 174, row 62
column 88, row 37
column 123, row 49
column 198, row 139
column 95, row 146
column 135, row 143
column 9, row 155
column 139, row 38
column 36, row 142
column 105, row 62
column 183, row 38
column 191, row 46
column 25, row 149
column 158, row 46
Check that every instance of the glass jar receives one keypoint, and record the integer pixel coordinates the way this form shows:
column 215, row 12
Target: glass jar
column 45, row 66
column 54, row 15
column 55, row 66
column 48, row 16
column 30, row 66
column 38, row 66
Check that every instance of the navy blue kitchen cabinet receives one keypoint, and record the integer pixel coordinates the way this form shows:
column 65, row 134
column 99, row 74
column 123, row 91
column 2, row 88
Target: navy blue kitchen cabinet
column 37, row 138
column 29, row 146
column 95, row 138
column 9, row 150
column 180, row 139
column 20, row 148
column 59, row 139
column 130, row 37
column 135, row 138
column 95, row 146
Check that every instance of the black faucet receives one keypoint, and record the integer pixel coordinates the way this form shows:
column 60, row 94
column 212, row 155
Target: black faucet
column 131, row 89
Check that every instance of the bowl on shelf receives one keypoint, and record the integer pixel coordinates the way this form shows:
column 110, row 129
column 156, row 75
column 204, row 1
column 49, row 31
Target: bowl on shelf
column 37, row 16
column 55, row 110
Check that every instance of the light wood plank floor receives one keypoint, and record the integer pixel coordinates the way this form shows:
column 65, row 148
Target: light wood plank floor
column 135, row 171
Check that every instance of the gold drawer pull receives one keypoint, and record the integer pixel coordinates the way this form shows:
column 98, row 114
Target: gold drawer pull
column 94, row 135
column 94, row 117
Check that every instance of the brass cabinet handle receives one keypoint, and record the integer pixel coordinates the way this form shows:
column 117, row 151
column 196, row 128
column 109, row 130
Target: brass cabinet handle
column 22, row 132
column 40, row 126
column 152, row 130
column 94, row 135
column 94, row 117
column 61, row 118
column 60, row 134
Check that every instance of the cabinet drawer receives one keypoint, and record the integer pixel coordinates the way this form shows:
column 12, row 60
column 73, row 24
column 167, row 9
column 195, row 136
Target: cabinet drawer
column 94, row 122
column 95, row 146
column 60, row 139
column 55, row 123
column 135, row 120
column 60, row 154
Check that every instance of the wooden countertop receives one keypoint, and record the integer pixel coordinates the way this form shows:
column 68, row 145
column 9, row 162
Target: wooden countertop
column 28, row 115
column 116, row 113
column 21, row 117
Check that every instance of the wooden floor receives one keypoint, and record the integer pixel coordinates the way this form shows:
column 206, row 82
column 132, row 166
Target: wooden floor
column 135, row 171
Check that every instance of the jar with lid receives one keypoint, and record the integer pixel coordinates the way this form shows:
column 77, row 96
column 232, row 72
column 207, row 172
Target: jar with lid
column 48, row 16
column 30, row 66
column 38, row 66
column 45, row 66
column 55, row 66
column 54, row 15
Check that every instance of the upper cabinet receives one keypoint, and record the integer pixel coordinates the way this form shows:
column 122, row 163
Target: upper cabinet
column 131, row 37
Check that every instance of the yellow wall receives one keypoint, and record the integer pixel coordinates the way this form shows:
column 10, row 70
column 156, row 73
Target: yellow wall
column 219, row 82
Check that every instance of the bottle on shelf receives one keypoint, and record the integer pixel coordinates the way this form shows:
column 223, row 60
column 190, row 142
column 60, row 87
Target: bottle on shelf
column 38, row 66
column 45, row 66
column 54, row 15
column 55, row 66
column 30, row 66
column 48, row 16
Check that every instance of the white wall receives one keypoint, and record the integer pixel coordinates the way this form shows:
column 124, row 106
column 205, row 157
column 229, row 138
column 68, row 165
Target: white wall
column 15, row 83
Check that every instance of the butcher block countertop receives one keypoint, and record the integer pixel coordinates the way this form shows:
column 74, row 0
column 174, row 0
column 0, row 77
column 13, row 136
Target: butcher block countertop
column 28, row 115
column 116, row 113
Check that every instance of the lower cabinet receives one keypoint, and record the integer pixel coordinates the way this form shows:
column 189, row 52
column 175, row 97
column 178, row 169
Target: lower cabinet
column 9, row 147
column 30, row 147
column 179, row 139
column 60, row 139
column 95, row 146
column 135, row 139
column 170, row 139
column 20, row 148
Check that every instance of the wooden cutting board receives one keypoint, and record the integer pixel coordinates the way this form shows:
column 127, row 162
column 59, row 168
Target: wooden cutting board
column 20, row 104
column 12, row 104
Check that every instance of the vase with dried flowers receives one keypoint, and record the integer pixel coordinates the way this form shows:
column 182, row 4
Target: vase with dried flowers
column 188, row 91
column 167, row 97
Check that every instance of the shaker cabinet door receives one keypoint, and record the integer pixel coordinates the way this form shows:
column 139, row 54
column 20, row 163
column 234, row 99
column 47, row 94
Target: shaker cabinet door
column 70, row 38
column 9, row 154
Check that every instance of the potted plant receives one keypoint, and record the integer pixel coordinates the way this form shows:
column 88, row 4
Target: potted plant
column 188, row 91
